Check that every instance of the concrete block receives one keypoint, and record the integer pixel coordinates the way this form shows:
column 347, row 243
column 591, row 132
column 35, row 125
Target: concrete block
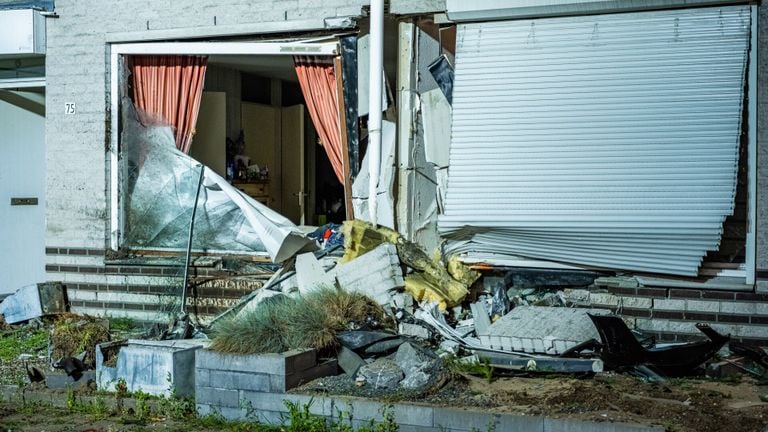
column 636, row 302
column 741, row 308
column 603, row 299
column 240, row 380
column 702, row 306
column 669, row 304
column 217, row 396
column 148, row 365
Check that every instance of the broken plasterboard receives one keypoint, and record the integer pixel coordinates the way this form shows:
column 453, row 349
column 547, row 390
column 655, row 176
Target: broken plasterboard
column 541, row 329
column 385, row 200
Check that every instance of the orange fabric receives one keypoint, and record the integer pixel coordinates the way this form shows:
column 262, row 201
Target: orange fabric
column 318, row 84
column 169, row 89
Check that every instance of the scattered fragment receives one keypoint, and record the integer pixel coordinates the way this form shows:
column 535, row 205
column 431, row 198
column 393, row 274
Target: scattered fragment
column 622, row 350
column 349, row 361
column 383, row 373
column 541, row 364
column 310, row 274
column 413, row 330
column 542, row 330
column 33, row 301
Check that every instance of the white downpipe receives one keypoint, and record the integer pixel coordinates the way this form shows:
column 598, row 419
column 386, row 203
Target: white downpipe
column 375, row 74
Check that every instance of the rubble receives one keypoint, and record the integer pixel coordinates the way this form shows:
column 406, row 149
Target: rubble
column 383, row 373
column 349, row 361
column 34, row 301
column 542, row 330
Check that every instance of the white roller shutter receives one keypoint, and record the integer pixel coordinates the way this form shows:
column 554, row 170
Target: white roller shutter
column 608, row 141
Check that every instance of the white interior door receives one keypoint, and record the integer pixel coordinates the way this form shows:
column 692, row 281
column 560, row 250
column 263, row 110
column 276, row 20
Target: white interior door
column 294, row 194
column 22, row 175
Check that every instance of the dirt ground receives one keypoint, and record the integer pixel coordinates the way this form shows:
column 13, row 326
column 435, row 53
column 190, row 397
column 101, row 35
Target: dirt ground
column 689, row 405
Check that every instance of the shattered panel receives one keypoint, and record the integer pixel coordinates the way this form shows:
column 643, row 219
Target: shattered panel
column 160, row 184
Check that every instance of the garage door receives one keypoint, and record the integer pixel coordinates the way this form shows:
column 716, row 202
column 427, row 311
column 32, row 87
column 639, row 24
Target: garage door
column 608, row 141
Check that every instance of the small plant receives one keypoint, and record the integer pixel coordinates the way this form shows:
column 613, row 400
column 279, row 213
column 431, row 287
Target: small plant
column 99, row 407
column 71, row 399
column 480, row 368
column 143, row 410
column 121, row 392
column 301, row 420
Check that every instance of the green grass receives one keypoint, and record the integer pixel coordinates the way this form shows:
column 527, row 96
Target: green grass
column 22, row 341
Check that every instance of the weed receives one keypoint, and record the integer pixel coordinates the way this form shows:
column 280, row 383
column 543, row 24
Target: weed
column 481, row 368
column 143, row 410
column 14, row 343
column 122, row 324
column 301, row 420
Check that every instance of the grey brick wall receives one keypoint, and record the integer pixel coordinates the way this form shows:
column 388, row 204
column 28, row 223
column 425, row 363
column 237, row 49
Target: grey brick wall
column 77, row 71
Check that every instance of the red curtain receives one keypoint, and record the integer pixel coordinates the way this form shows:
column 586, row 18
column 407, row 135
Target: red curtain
column 318, row 84
column 168, row 88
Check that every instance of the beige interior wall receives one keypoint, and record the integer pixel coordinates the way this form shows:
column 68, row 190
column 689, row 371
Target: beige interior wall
column 209, row 144
column 260, row 128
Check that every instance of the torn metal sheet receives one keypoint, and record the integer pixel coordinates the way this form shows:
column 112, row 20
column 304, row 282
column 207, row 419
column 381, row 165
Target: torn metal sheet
column 385, row 212
column 542, row 329
column 160, row 183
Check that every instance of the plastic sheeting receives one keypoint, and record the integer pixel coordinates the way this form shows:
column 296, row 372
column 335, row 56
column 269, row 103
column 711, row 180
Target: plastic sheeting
column 160, row 183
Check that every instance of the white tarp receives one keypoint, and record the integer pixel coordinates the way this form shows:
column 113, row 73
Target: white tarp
column 159, row 193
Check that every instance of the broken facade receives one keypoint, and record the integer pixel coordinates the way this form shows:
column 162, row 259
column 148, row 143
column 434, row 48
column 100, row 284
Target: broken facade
column 79, row 222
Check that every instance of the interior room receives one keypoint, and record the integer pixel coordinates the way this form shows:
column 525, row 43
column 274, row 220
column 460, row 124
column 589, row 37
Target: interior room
column 254, row 129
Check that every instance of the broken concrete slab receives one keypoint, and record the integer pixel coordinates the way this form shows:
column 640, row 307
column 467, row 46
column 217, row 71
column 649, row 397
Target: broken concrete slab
column 349, row 361
column 411, row 359
column 33, row 301
column 382, row 374
column 311, row 275
column 542, row 329
column 481, row 319
column 413, row 330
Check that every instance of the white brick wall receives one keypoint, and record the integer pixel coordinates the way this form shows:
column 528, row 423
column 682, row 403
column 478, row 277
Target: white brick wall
column 77, row 71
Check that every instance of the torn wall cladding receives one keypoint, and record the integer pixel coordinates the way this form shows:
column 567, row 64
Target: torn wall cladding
column 160, row 185
column 609, row 141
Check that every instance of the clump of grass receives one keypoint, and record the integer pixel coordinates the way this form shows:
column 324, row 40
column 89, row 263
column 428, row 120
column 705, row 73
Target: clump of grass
column 73, row 334
column 311, row 321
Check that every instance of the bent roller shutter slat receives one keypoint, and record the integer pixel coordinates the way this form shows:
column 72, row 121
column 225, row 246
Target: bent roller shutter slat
column 608, row 141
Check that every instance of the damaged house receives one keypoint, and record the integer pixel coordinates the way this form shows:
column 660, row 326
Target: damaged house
column 548, row 137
